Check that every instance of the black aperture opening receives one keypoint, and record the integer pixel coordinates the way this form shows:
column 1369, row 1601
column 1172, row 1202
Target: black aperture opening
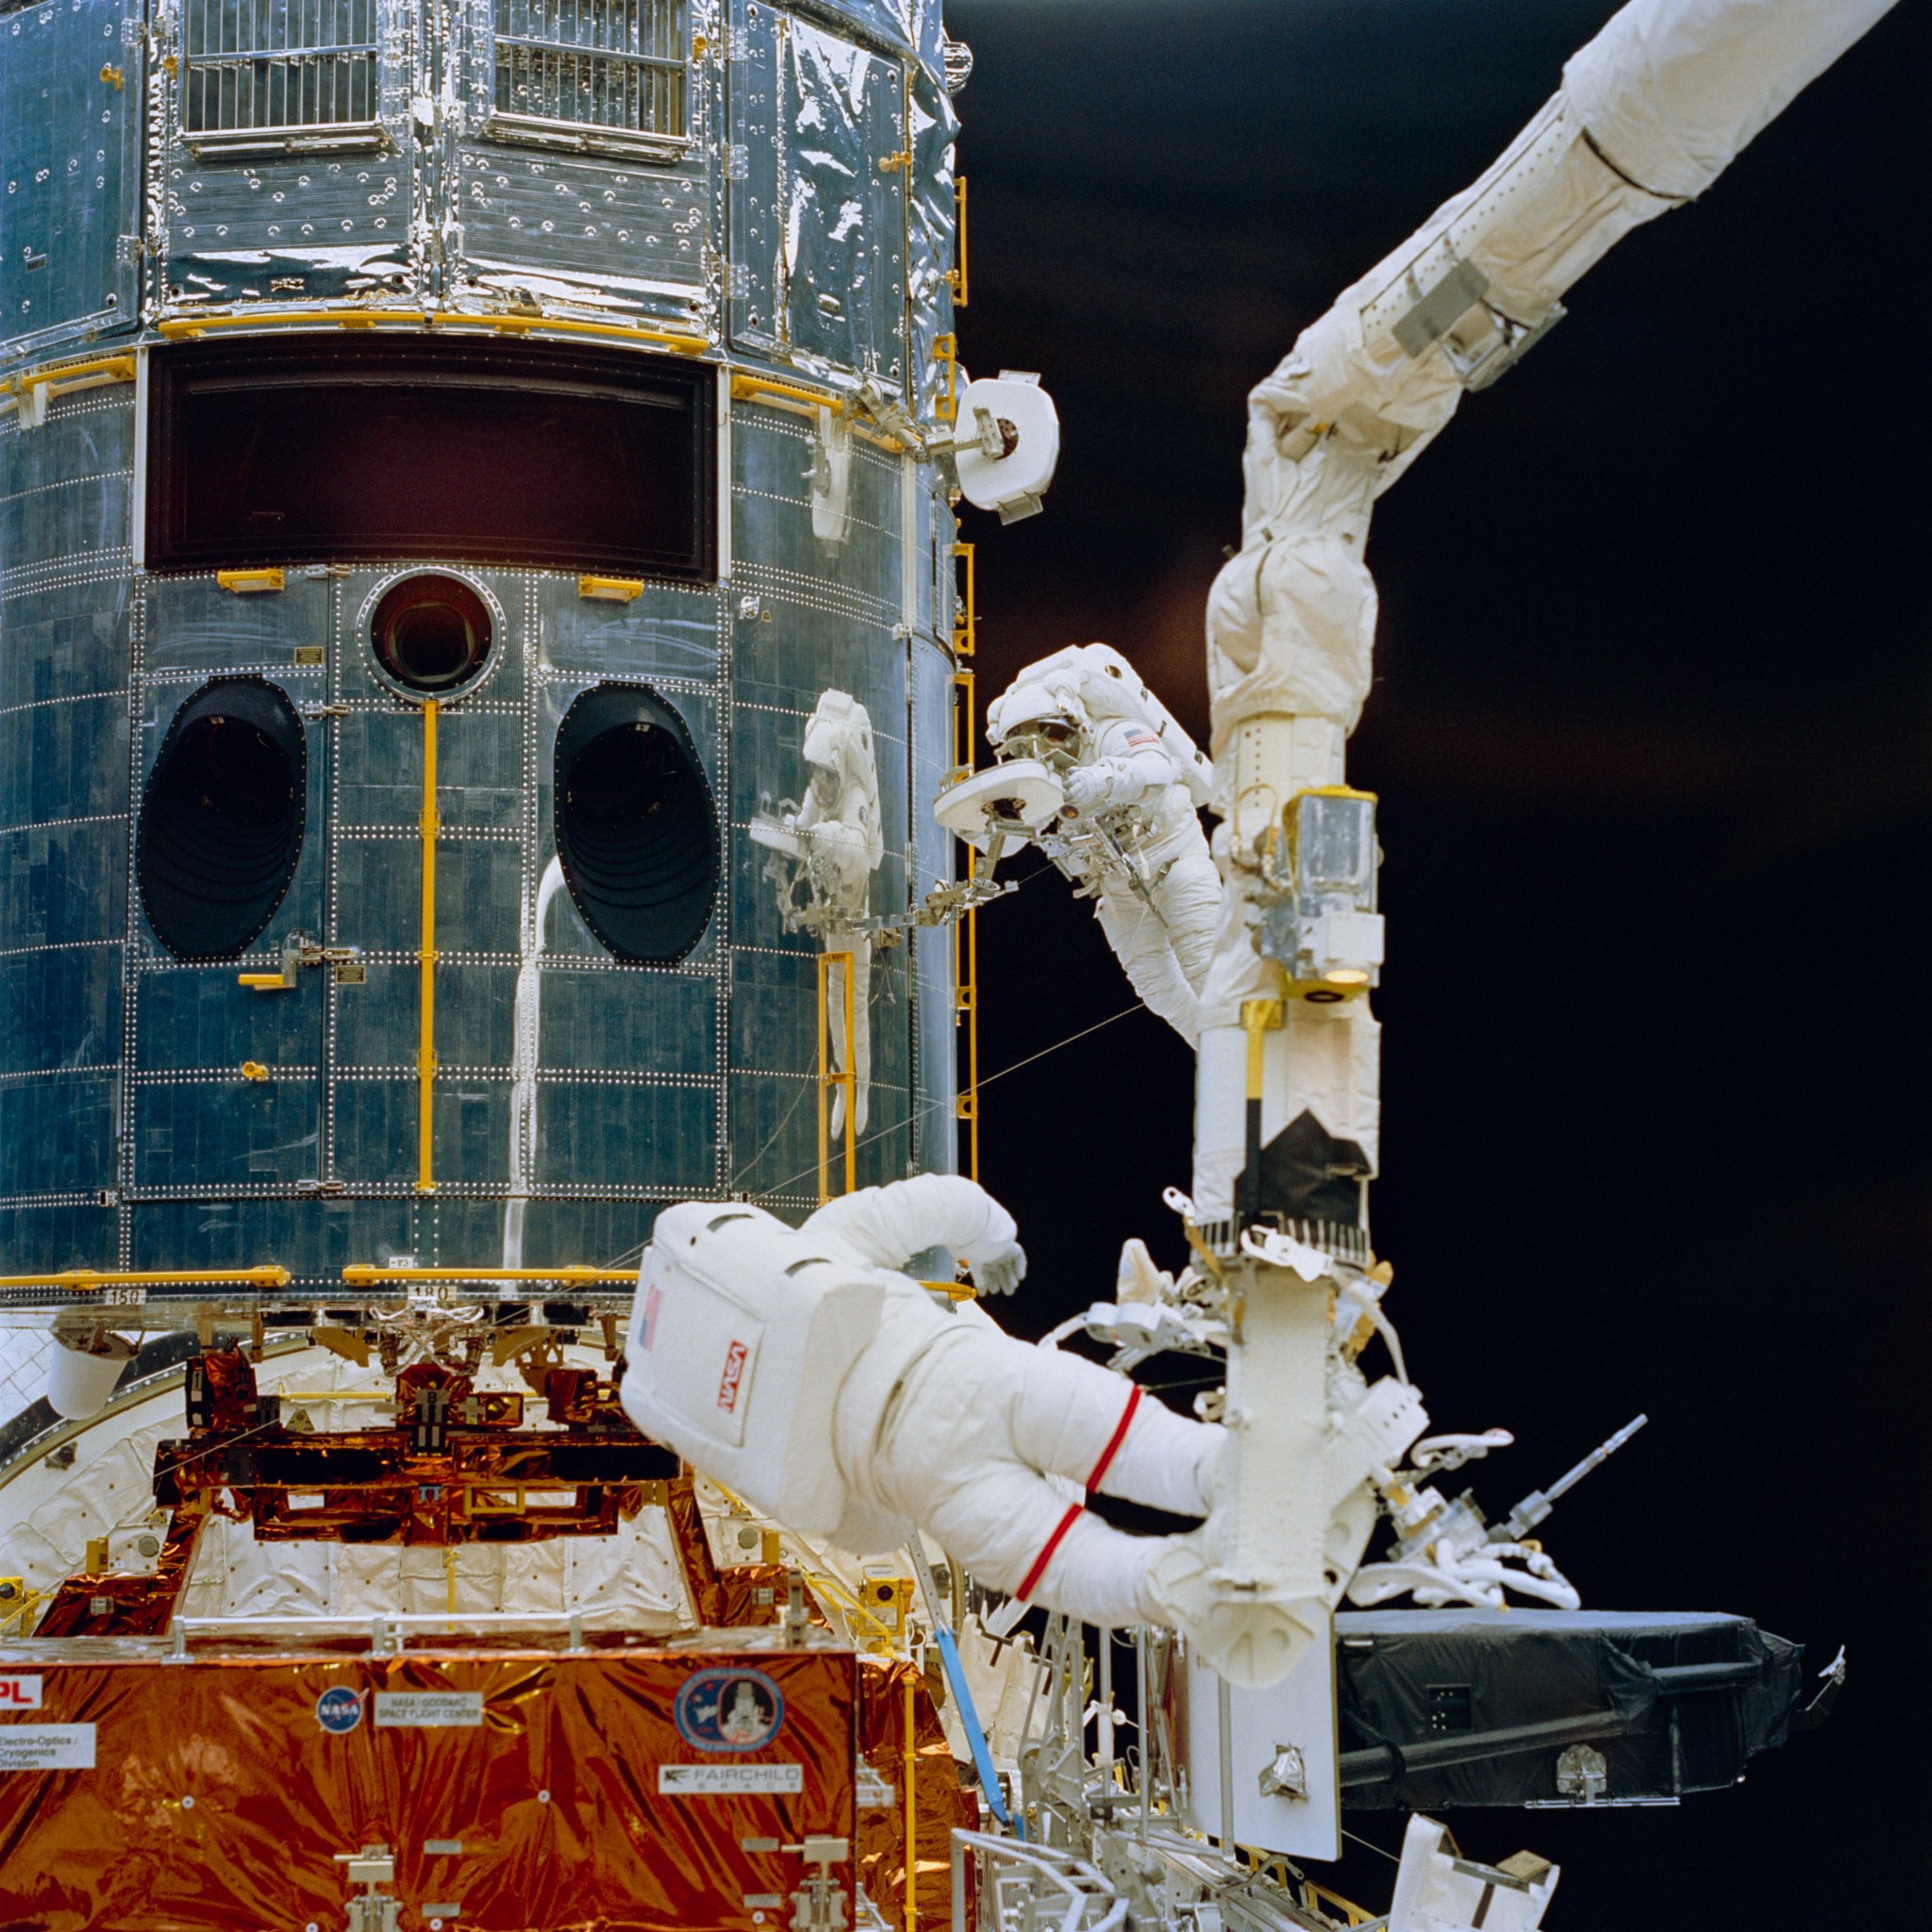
column 222, row 818
column 334, row 448
column 637, row 831
column 431, row 633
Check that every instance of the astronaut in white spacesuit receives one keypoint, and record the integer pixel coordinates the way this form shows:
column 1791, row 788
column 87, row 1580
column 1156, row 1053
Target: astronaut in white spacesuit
column 840, row 839
column 988, row 1443
column 1133, row 839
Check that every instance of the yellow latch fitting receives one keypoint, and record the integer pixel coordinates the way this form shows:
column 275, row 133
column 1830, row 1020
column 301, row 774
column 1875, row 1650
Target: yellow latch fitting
column 610, row 589
column 957, row 278
column 254, row 1069
column 247, row 583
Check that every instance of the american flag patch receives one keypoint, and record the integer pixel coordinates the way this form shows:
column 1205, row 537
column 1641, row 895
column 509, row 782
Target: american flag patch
column 653, row 1297
column 1137, row 739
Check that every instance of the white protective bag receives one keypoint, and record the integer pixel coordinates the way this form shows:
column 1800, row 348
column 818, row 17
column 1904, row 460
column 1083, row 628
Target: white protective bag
column 740, row 1335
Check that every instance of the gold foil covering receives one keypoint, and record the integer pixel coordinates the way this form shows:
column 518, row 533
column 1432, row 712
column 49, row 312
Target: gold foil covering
column 940, row 1803
column 219, row 1798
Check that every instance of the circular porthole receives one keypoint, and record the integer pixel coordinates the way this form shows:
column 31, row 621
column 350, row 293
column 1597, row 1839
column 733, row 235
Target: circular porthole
column 637, row 831
column 222, row 818
column 431, row 634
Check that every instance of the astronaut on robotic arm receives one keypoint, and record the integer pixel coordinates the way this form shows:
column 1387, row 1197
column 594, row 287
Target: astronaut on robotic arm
column 1127, row 833
column 857, row 1403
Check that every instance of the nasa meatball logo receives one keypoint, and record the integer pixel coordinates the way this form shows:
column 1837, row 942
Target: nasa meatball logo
column 339, row 1709
column 729, row 1711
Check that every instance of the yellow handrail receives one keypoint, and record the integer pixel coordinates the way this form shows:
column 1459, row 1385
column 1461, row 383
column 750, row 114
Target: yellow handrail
column 361, row 1274
column 966, row 614
column 945, row 350
column 244, row 583
column 150, row 1278
column 425, row 1050
column 911, row 1764
column 952, row 1290
column 796, row 399
column 65, row 378
column 750, row 389
column 828, row 1079
column 958, row 277
column 1354, row 1914
column 966, row 938
column 184, row 326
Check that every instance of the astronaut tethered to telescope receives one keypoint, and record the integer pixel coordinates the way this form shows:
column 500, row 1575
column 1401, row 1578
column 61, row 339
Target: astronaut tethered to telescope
column 835, row 845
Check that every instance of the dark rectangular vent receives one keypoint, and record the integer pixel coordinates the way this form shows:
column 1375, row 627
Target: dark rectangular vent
column 324, row 450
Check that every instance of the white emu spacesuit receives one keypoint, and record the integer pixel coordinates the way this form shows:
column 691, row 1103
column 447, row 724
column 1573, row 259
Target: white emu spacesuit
column 1134, row 838
column 841, row 843
column 986, row 1441
column 922, row 1412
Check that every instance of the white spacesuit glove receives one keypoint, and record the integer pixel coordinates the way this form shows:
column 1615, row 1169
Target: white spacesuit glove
column 998, row 1269
column 1088, row 787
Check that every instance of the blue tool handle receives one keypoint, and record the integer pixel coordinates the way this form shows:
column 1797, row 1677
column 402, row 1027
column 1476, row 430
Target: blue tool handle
column 976, row 1733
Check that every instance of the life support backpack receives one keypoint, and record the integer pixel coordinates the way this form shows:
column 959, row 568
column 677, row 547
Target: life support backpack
column 739, row 1339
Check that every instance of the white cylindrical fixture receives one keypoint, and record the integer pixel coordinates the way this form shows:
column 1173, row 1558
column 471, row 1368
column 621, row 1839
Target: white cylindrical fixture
column 80, row 1378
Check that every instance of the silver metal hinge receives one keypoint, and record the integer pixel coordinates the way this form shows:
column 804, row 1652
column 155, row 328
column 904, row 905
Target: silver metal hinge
column 128, row 249
column 1582, row 1772
column 818, row 1905
column 371, row 1909
column 737, row 162
column 737, row 281
column 737, row 44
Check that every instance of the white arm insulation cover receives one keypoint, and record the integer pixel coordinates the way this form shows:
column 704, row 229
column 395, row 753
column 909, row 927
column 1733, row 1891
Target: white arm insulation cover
column 741, row 1333
column 1650, row 112
column 1672, row 91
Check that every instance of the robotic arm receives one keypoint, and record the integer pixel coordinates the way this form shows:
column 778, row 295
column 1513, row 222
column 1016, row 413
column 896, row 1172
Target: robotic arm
column 1650, row 113
column 1288, row 1101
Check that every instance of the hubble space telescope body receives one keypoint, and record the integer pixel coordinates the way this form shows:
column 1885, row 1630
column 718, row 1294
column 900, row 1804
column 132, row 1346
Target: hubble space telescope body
column 486, row 384
column 484, row 701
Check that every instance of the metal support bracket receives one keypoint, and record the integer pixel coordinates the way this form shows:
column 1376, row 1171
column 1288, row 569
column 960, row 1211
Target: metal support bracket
column 300, row 949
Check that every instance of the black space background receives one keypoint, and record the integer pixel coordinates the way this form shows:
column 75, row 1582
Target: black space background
column 1650, row 735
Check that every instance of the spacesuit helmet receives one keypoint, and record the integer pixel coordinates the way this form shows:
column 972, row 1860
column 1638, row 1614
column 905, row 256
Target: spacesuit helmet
column 837, row 733
column 838, row 747
column 1039, row 721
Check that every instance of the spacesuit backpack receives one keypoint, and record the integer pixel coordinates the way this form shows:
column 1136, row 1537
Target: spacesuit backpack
column 740, row 1338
